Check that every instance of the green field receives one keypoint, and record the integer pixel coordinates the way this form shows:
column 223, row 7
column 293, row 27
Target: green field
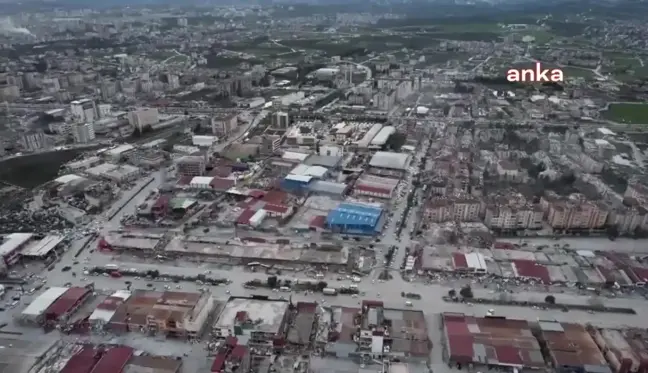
column 627, row 113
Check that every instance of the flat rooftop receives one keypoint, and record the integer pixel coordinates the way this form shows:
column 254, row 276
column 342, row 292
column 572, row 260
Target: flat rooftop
column 268, row 314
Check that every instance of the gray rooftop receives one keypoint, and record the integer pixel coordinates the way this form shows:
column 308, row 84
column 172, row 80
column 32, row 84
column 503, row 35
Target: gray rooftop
column 268, row 313
column 395, row 161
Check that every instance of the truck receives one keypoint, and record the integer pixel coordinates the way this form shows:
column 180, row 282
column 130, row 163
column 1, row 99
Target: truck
column 329, row 291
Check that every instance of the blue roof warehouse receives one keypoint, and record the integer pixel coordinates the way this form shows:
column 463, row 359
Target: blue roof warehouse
column 355, row 218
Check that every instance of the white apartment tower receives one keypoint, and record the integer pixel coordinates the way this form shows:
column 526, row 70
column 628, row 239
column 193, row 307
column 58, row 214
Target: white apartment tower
column 83, row 133
column 84, row 110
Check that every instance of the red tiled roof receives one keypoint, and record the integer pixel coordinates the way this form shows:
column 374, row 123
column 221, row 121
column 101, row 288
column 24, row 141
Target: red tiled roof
column 82, row 362
column 220, row 183
column 318, row 221
column 256, row 193
column 66, row 302
column 641, row 273
column 372, row 189
column 279, row 209
column 275, row 197
column 221, row 171
column 219, row 362
column 459, row 260
column 531, row 269
column 461, row 348
column 114, row 360
column 238, row 352
column 245, row 216
column 162, row 202
column 509, row 355
column 503, row 246
column 231, row 341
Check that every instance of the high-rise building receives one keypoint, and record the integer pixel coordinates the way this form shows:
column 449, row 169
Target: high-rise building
column 84, row 110
column 143, row 118
column 83, row 133
column 224, row 124
column 281, row 119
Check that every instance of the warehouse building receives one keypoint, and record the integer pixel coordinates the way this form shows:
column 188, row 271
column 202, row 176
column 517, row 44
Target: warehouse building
column 375, row 186
column 296, row 183
column 11, row 246
column 34, row 313
column 68, row 303
column 41, row 248
column 483, row 343
column 570, row 348
column 369, row 135
column 355, row 219
column 381, row 138
column 389, row 164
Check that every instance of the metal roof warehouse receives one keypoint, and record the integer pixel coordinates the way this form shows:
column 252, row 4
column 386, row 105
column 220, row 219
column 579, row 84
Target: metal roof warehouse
column 42, row 247
column 66, row 302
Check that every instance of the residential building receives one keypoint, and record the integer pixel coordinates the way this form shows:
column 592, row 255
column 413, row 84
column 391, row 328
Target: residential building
column 224, row 124
column 34, row 141
column 262, row 322
column 513, row 217
column 281, row 119
column 84, row 110
column 574, row 212
column 83, row 133
column 143, row 118
column 462, row 209
column 508, row 170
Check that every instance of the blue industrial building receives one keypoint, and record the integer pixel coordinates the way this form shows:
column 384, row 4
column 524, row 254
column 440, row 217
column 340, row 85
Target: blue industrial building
column 355, row 219
column 296, row 183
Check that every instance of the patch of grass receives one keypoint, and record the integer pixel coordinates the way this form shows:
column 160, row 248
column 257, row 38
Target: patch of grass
column 627, row 113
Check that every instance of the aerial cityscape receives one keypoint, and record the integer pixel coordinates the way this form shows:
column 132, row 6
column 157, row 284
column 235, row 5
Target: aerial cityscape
column 324, row 187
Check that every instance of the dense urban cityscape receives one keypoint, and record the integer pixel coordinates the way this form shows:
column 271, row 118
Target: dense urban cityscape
column 404, row 187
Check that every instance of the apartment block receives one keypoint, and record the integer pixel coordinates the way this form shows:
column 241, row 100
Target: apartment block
column 574, row 212
column 513, row 218
column 439, row 210
column 224, row 124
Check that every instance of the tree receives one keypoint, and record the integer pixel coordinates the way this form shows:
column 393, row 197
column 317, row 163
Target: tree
column 550, row 299
column 452, row 293
column 466, row 292
column 322, row 285
column 272, row 282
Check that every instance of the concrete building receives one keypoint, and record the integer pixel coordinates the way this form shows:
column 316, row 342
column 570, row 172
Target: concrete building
column 224, row 124
column 83, row 133
column 574, row 213
column 281, row 119
column 191, row 166
column 510, row 218
column 34, row 141
column 460, row 209
column 260, row 322
column 143, row 118
column 84, row 110
column 172, row 313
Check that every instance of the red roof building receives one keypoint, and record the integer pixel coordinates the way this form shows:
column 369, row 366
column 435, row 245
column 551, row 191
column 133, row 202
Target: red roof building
column 318, row 221
column 82, row 362
column 459, row 261
column 275, row 197
column 67, row 303
column 529, row 269
column 113, row 360
column 222, row 184
column 373, row 191
column 244, row 218
column 491, row 340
